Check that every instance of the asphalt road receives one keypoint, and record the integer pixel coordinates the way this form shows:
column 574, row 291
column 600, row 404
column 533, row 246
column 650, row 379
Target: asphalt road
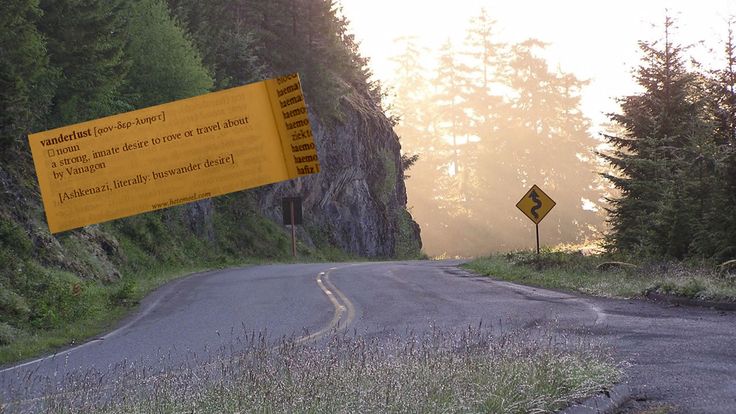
column 679, row 357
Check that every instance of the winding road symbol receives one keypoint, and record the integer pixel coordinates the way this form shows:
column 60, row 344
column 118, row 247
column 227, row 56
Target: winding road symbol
column 535, row 204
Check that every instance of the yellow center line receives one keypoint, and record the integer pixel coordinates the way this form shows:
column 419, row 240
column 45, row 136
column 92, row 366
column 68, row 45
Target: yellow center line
column 341, row 303
column 323, row 281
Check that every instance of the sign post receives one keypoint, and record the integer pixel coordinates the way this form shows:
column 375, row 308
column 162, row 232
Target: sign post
column 293, row 231
column 291, row 208
column 535, row 204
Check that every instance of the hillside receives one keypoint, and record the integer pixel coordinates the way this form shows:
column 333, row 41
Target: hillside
column 67, row 61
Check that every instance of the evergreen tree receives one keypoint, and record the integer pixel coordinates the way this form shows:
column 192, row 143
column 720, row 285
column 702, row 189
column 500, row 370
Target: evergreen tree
column 543, row 139
column 412, row 87
column 321, row 54
column 25, row 88
column 515, row 122
column 86, row 41
column 414, row 110
column 486, row 57
column 408, row 117
column 660, row 125
column 727, row 167
column 715, row 233
column 451, row 120
column 165, row 65
column 246, row 40
column 225, row 39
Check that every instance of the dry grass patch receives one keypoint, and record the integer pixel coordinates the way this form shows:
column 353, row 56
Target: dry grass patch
column 438, row 371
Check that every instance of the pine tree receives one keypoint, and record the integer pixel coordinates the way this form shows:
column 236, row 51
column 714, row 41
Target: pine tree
column 413, row 109
column 321, row 54
column 247, row 40
column 411, row 87
column 457, row 162
column 227, row 43
column 727, row 168
column 165, row 64
column 484, row 59
column 545, row 140
column 715, row 233
column 660, row 125
column 25, row 88
column 534, row 132
column 450, row 97
column 86, row 40
column 486, row 56
column 408, row 117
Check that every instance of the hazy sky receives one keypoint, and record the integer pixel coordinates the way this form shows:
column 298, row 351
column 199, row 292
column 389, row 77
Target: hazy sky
column 595, row 40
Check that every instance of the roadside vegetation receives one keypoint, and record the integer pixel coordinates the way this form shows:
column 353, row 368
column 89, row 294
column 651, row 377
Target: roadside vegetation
column 607, row 276
column 116, row 56
column 46, row 308
column 473, row 370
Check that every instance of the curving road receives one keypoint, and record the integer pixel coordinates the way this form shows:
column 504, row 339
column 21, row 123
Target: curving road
column 681, row 358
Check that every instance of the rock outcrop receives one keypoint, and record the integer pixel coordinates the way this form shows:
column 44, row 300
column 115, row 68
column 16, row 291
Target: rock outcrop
column 358, row 199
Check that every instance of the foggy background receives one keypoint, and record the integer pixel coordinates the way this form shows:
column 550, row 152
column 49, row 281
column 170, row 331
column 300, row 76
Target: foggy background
column 494, row 97
column 487, row 121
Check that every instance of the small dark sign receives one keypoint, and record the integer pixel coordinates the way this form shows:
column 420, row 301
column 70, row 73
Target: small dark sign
column 286, row 209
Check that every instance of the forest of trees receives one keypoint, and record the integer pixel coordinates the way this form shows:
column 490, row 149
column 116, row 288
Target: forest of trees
column 66, row 61
column 487, row 121
column 674, row 155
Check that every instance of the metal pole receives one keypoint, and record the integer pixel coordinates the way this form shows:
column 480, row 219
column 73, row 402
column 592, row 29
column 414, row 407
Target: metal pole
column 293, row 229
column 537, row 226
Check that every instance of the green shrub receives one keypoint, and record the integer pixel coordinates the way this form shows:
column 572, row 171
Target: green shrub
column 8, row 333
column 124, row 293
column 14, row 239
column 408, row 245
column 12, row 305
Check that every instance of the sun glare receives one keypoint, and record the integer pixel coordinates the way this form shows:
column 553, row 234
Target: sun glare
column 594, row 40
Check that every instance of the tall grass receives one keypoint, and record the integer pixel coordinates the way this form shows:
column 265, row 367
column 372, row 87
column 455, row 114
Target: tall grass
column 576, row 272
column 471, row 370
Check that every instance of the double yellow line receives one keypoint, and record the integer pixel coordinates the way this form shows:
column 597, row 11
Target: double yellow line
column 343, row 316
column 344, row 313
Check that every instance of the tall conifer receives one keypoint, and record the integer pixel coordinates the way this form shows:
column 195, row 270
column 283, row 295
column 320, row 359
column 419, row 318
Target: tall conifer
column 86, row 40
column 165, row 64
column 25, row 86
column 651, row 155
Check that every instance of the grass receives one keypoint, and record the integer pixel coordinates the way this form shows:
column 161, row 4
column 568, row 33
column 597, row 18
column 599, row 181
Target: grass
column 100, row 305
column 81, row 283
column 472, row 370
column 95, row 309
column 578, row 273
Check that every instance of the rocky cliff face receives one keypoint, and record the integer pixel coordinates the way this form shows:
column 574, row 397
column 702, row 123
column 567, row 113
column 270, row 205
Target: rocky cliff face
column 357, row 204
column 358, row 200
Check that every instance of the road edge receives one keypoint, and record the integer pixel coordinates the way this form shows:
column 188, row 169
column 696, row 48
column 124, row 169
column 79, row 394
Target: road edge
column 144, row 307
column 682, row 300
column 604, row 403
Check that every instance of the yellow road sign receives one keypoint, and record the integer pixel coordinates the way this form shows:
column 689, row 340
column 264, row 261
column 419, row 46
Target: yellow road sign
column 174, row 153
column 535, row 204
